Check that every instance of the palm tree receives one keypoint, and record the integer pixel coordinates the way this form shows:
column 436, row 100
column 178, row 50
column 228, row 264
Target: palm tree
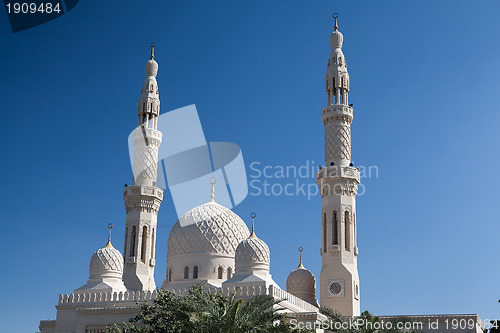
column 207, row 312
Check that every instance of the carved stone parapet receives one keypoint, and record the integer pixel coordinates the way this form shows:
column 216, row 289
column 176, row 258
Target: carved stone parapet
column 338, row 172
column 145, row 198
column 337, row 113
column 342, row 186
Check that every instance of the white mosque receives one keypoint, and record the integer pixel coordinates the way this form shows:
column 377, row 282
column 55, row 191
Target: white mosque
column 212, row 245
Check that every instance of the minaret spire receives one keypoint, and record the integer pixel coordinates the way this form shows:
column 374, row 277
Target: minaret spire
column 253, row 235
column 143, row 198
column 153, row 49
column 110, row 226
column 212, row 196
column 338, row 183
column 300, row 263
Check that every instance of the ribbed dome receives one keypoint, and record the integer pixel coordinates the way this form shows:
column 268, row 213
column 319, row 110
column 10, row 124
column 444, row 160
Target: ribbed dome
column 151, row 67
column 209, row 228
column 336, row 39
column 253, row 250
column 301, row 279
column 106, row 262
column 301, row 283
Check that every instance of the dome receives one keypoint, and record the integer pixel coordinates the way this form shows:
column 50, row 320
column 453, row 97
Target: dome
column 253, row 250
column 302, row 283
column 210, row 228
column 151, row 67
column 252, row 255
column 301, row 279
column 106, row 262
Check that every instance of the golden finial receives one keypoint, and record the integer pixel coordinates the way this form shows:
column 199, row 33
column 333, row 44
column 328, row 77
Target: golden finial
column 335, row 16
column 152, row 50
column 253, row 235
column 212, row 196
column 300, row 264
column 110, row 226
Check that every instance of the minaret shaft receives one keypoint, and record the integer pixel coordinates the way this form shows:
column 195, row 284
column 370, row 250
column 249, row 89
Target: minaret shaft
column 338, row 183
column 143, row 198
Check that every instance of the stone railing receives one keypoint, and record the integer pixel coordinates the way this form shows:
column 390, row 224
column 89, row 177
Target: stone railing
column 95, row 297
column 278, row 293
column 146, row 296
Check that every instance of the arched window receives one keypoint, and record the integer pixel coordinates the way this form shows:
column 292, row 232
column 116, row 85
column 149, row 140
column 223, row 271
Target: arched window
column 132, row 245
column 229, row 272
column 169, row 274
column 144, row 242
column 219, row 272
column 186, row 272
column 354, row 222
column 347, row 232
column 126, row 237
column 324, row 232
column 195, row 272
column 153, row 244
column 335, row 229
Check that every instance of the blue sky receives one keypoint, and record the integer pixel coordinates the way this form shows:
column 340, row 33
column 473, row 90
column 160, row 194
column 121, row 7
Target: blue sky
column 424, row 83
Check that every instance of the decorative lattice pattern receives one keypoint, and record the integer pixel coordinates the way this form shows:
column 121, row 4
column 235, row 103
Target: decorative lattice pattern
column 209, row 228
column 301, row 279
column 338, row 142
column 105, row 260
column 252, row 250
column 335, row 288
column 146, row 162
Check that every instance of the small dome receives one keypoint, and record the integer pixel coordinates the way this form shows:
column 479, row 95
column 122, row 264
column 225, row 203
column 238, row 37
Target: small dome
column 336, row 39
column 151, row 68
column 106, row 262
column 302, row 283
column 210, row 228
column 253, row 250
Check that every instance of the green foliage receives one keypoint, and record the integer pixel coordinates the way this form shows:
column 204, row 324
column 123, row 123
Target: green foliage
column 206, row 312
column 366, row 323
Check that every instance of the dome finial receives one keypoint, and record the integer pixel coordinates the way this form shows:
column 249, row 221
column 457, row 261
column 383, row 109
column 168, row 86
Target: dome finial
column 152, row 50
column 300, row 263
column 253, row 235
column 212, row 196
column 110, row 226
column 335, row 16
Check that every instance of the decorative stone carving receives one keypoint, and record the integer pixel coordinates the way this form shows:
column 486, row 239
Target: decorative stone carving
column 252, row 250
column 209, row 228
column 106, row 261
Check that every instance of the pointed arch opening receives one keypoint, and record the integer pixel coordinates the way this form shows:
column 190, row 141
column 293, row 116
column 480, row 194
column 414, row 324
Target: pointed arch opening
column 153, row 243
column 335, row 228
column 132, row 241
column 220, row 271
column 186, row 272
column 229, row 273
column 195, row 272
column 347, row 231
column 144, row 242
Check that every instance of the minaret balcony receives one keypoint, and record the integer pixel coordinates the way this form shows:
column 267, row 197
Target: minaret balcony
column 337, row 172
column 143, row 190
column 336, row 110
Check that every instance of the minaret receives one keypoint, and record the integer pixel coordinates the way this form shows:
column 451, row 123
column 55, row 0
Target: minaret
column 338, row 183
column 143, row 198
